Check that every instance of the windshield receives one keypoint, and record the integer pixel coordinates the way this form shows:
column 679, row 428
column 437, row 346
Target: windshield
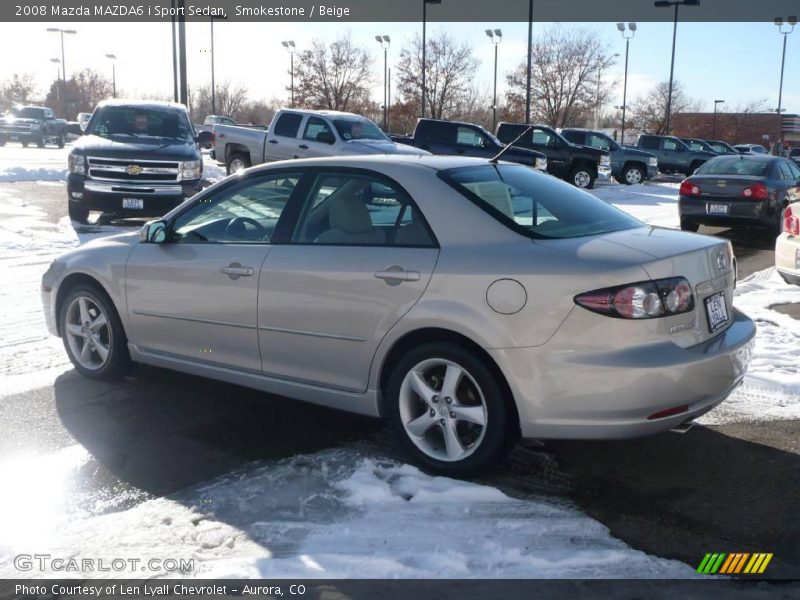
column 734, row 165
column 27, row 112
column 535, row 204
column 144, row 122
column 352, row 128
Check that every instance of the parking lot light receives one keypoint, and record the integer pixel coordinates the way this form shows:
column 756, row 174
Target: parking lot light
column 290, row 47
column 113, row 59
column 627, row 31
column 424, row 43
column 495, row 36
column 714, row 122
column 785, row 27
column 385, row 42
column 63, row 64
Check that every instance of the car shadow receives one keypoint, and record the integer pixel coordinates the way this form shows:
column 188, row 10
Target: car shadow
column 681, row 496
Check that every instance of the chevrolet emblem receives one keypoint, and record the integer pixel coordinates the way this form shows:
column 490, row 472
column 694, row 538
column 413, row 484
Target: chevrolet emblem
column 134, row 169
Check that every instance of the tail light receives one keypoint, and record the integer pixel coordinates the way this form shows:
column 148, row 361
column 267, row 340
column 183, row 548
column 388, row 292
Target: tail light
column 791, row 222
column 689, row 189
column 757, row 191
column 644, row 300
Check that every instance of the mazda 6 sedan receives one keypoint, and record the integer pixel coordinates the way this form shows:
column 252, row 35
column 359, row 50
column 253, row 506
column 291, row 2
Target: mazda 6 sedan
column 469, row 301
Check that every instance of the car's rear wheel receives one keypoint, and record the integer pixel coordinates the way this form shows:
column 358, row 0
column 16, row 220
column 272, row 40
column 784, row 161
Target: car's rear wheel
column 449, row 410
column 633, row 175
column 77, row 214
column 61, row 141
column 582, row 177
column 237, row 162
column 93, row 335
column 689, row 226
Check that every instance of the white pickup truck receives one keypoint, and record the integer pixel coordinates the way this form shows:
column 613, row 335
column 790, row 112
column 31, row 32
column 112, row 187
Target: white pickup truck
column 303, row 134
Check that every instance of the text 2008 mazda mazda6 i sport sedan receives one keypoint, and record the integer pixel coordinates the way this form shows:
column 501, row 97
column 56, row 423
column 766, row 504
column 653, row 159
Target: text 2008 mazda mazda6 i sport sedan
column 469, row 302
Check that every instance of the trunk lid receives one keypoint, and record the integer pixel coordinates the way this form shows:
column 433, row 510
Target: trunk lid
column 725, row 186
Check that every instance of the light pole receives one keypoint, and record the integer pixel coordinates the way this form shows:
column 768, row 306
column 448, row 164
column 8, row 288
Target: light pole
column 58, row 77
column 597, row 95
column 63, row 64
column 384, row 41
column 714, row 122
column 627, row 34
column 676, row 4
column 213, row 81
column 424, row 44
column 528, row 74
column 785, row 28
column 289, row 45
column 113, row 59
column 495, row 36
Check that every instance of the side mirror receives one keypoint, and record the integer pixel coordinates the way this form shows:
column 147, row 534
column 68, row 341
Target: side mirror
column 153, row 232
column 326, row 137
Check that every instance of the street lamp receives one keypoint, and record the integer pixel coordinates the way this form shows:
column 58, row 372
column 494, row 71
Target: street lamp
column 785, row 28
column 385, row 41
column 424, row 44
column 676, row 4
column 627, row 31
column 714, row 126
column 495, row 36
column 289, row 45
column 113, row 59
column 213, row 82
column 58, row 69
column 597, row 95
column 63, row 64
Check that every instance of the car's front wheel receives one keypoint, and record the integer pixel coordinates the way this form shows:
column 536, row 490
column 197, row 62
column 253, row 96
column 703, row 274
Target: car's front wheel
column 77, row 213
column 61, row 142
column 633, row 175
column 238, row 162
column 582, row 177
column 449, row 410
column 92, row 333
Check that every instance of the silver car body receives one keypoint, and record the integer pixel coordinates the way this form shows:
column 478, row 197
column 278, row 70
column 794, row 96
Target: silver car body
column 317, row 324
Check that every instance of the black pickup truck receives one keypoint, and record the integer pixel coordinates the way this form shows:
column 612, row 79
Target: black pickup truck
column 32, row 125
column 579, row 165
column 466, row 139
column 134, row 159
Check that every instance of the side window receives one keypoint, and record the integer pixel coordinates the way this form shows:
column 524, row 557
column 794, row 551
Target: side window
column 597, row 141
column 246, row 213
column 669, row 144
column 467, row 136
column 314, row 127
column 649, row 142
column 288, row 124
column 359, row 210
column 543, row 138
column 785, row 171
column 576, row 137
column 437, row 133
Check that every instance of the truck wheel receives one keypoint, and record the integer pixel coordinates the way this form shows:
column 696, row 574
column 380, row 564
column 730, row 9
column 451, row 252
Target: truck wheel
column 40, row 141
column 77, row 213
column 582, row 177
column 689, row 226
column 61, row 141
column 237, row 162
column 633, row 175
column 24, row 144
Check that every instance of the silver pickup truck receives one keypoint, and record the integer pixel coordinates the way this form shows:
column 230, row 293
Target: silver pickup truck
column 303, row 134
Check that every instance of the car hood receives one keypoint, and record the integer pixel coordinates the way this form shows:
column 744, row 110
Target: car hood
column 383, row 147
column 132, row 148
column 637, row 152
column 590, row 150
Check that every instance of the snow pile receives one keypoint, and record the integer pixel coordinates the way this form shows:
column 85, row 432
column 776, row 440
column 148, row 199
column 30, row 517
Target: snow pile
column 33, row 174
column 340, row 514
column 212, row 171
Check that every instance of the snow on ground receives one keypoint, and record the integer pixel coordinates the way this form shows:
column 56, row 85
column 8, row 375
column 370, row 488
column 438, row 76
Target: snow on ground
column 32, row 163
column 334, row 514
column 656, row 204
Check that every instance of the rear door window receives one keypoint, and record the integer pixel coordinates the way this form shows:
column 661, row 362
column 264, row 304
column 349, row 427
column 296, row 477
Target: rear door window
column 288, row 124
column 649, row 142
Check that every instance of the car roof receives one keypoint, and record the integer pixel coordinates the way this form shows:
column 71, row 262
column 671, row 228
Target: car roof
column 375, row 161
column 751, row 157
column 142, row 104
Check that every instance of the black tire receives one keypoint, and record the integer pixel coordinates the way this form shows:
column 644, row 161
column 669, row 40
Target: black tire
column 236, row 159
column 582, row 177
column 77, row 213
column 118, row 361
column 689, row 226
column 633, row 175
column 61, row 141
column 40, row 142
column 24, row 144
column 499, row 431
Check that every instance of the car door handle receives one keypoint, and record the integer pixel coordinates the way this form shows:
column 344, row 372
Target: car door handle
column 236, row 270
column 273, row 141
column 303, row 146
column 395, row 274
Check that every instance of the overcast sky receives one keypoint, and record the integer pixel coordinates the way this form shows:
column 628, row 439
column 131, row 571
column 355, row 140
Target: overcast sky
column 737, row 62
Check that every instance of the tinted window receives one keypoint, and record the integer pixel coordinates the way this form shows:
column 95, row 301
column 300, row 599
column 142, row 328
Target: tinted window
column 508, row 132
column 359, row 210
column 785, row 171
column 314, row 127
column 141, row 121
column 576, row 137
column 438, row 133
column 288, row 124
column 734, row 165
column 649, row 142
column 794, row 152
column 356, row 128
column 536, row 204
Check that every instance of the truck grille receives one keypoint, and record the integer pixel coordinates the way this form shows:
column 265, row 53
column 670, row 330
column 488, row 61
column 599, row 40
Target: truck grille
column 134, row 170
column 16, row 128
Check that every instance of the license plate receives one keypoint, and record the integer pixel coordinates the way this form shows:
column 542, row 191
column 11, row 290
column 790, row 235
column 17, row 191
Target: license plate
column 716, row 311
column 717, row 209
column 136, row 203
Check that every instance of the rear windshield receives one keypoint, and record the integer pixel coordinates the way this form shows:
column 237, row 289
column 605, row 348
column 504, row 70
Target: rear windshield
column 535, row 204
column 351, row 128
column 27, row 112
column 143, row 122
column 734, row 165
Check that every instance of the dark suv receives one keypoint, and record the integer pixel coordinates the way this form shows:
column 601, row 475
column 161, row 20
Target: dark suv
column 32, row 125
column 134, row 159
column 673, row 155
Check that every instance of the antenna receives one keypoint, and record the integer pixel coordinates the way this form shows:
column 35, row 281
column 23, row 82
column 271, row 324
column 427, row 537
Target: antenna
column 495, row 158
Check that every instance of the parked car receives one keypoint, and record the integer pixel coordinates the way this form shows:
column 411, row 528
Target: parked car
column 579, row 165
column 787, row 246
column 302, row 134
column 467, row 139
column 628, row 166
column 136, row 158
column 32, row 125
column 673, row 155
column 750, row 149
column 721, row 147
column 469, row 301
column 745, row 190
column 699, row 145
column 83, row 120
column 794, row 155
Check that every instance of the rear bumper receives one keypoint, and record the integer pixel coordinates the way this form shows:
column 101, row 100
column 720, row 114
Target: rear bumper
column 610, row 394
column 157, row 199
column 758, row 214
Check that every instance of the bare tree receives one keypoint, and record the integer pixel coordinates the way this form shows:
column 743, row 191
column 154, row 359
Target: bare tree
column 230, row 99
column 336, row 75
column 17, row 89
column 648, row 113
column 83, row 92
column 450, row 69
column 566, row 65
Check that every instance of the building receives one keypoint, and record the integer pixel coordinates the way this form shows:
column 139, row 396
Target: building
column 739, row 128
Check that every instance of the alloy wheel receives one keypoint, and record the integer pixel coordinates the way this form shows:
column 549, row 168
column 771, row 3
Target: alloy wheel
column 88, row 333
column 237, row 164
column 582, row 179
column 633, row 176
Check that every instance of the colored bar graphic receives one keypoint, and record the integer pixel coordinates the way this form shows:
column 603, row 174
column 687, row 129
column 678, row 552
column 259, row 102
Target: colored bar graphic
column 734, row 563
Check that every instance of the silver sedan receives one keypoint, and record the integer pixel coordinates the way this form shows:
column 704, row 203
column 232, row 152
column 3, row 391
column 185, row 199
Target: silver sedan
column 470, row 302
